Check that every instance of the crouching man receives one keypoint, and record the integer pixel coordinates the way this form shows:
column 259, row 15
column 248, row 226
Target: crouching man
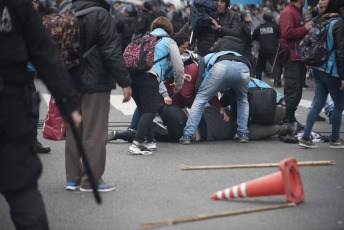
column 221, row 70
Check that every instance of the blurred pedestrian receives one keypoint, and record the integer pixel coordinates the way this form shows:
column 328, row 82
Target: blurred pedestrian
column 94, row 79
column 23, row 38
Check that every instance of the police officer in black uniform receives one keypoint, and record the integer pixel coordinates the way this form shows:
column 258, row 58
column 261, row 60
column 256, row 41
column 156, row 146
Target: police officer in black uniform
column 23, row 38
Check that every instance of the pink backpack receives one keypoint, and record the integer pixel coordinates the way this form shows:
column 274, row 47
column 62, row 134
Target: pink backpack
column 139, row 54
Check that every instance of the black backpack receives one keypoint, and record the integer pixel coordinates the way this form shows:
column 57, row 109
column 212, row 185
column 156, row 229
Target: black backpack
column 313, row 48
column 262, row 102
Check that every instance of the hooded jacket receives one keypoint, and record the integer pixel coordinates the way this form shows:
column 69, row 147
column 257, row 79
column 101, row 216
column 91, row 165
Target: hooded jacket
column 292, row 30
column 104, row 66
column 206, row 36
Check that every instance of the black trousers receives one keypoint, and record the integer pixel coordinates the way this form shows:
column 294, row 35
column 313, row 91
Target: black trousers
column 19, row 165
column 27, row 209
column 31, row 89
column 277, row 71
column 145, row 89
column 175, row 119
column 294, row 78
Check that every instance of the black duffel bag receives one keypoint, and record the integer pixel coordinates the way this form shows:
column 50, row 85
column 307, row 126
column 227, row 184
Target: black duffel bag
column 262, row 103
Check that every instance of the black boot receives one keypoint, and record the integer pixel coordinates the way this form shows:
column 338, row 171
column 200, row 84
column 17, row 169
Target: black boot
column 40, row 148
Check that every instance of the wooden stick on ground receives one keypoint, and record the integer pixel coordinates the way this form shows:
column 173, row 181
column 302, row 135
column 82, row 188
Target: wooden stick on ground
column 301, row 163
column 215, row 215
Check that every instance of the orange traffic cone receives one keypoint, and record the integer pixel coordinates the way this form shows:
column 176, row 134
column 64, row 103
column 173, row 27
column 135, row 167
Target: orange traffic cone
column 287, row 181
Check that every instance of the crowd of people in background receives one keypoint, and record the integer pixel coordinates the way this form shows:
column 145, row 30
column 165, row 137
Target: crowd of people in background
column 196, row 90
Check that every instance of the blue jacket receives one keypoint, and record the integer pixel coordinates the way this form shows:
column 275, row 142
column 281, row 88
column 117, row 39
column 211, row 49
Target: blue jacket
column 161, row 50
column 211, row 58
column 330, row 66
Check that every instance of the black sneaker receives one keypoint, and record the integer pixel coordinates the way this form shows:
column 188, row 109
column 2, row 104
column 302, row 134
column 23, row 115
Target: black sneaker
column 292, row 129
column 158, row 126
column 320, row 118
column 40, row 148
column 139, row 149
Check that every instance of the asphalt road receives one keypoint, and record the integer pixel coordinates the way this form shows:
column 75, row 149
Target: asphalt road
column 153, row 188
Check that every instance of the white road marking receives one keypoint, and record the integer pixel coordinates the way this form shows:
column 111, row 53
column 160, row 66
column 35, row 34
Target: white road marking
column 129, row 107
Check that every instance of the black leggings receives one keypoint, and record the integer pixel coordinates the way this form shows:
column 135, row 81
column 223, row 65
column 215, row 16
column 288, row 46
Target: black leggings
column 145, row 89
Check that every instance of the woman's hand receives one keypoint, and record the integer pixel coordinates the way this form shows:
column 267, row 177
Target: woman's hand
column 224, row 114
column 168, row 100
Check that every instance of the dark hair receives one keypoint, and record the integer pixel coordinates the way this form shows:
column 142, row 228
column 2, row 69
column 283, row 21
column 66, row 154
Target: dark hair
column 163, row 23
column 180, row 38
column 294, row 0
column 228, row 2
column 334, row 6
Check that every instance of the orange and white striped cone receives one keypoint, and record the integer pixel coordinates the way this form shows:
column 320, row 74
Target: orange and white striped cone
column 287, row 181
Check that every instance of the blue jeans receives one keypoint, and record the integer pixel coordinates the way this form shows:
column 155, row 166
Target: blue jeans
column 329, row 105
column 325, row 84
column 224, row 74
column 135, row 120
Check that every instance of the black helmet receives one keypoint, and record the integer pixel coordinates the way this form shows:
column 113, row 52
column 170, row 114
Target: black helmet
column 148, row 4
column 268, row 16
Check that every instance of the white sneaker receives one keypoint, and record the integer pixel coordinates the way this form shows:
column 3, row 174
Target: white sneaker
column 151, row 145
column 139, row 149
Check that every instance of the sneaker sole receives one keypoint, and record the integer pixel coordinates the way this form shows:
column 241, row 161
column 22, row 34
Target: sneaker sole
column 159, row 128
column 99, row 190
column 72, row 188
column 336, row 147
column 152, row 149
column 308, row 146
column 185, row 143
column 243, row 141
column 140, row 153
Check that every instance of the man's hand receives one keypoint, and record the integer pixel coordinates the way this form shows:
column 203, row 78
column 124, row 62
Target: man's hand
column 309, row 25
column 127, row 94
column 168, row 100
column 187, row 77
column 224, row 114
column 342, row 86
column 214, row 25
column 76, row 118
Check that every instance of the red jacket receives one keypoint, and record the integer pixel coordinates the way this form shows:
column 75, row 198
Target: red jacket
column 186, row 96
column 292, row 30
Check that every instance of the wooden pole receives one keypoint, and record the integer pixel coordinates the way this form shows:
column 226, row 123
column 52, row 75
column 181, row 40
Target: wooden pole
column 215, row 215
column 301, row 163
column 277, row 51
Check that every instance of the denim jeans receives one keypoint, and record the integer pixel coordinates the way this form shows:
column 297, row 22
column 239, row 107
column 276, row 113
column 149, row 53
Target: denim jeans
column 329, row 105
column 224, row 74
column 325, row 84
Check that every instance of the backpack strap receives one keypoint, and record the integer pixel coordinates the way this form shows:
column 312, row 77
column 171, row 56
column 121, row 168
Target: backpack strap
column 158, row 37
column 88, row 10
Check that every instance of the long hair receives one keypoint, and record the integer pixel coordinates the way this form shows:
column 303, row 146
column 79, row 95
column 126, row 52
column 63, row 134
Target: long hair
column 334, row 6
column 163, row 23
